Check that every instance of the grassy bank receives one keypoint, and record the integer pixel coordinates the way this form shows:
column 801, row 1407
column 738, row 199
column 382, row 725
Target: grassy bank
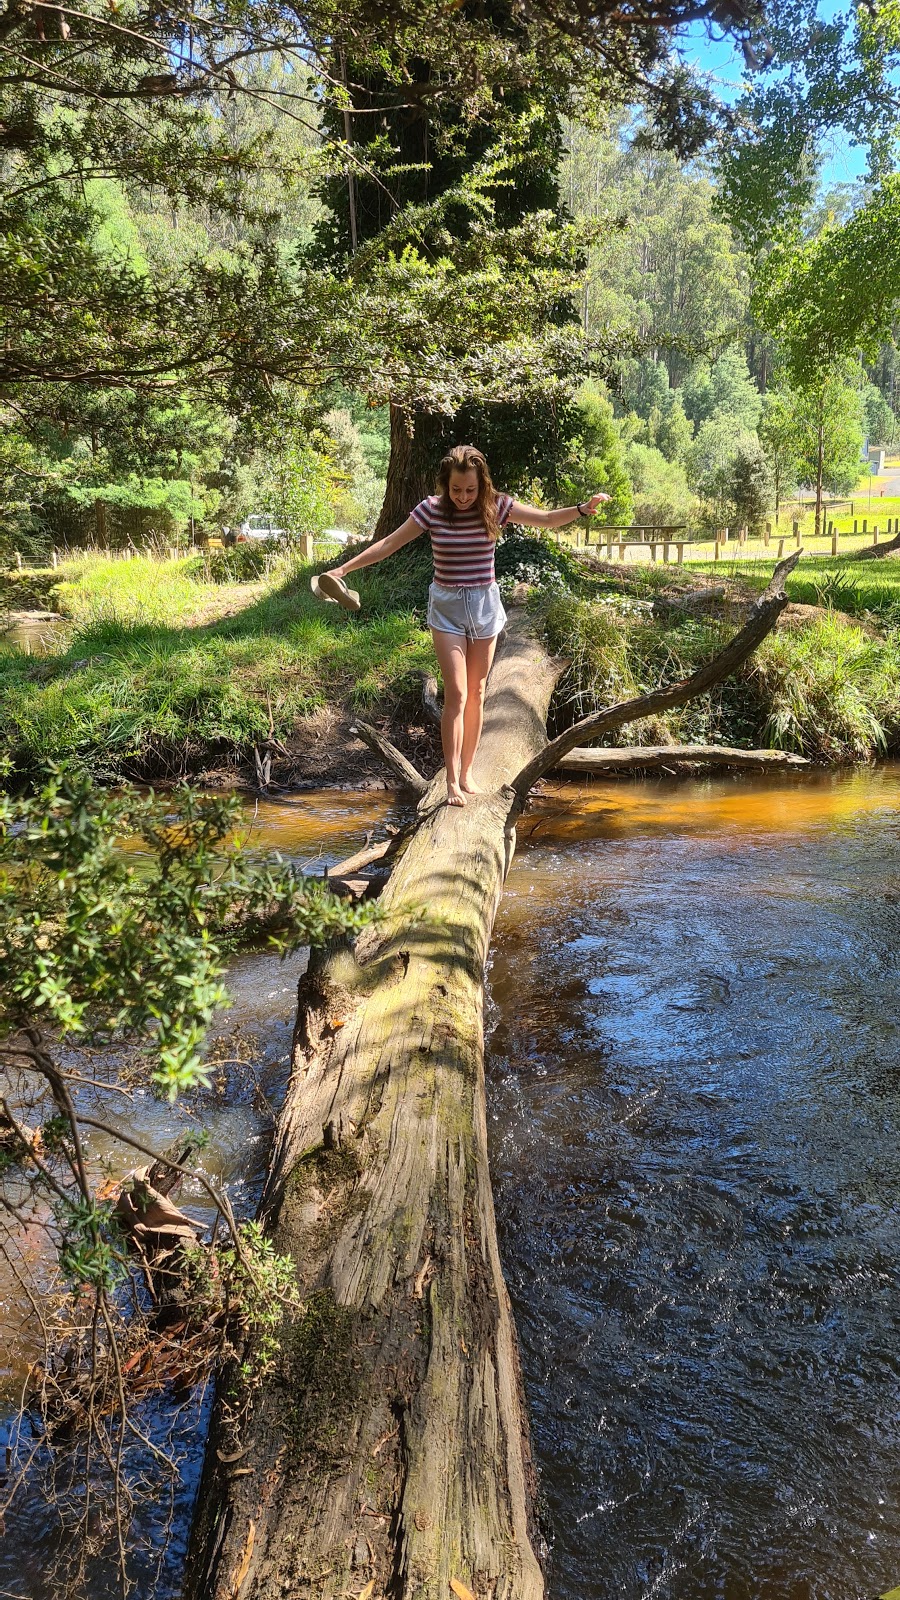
column 168, row 671
column 827, row 686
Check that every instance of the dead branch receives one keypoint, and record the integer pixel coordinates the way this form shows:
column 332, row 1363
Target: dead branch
column 385, row 850
column 403, row 769
column 874, row 552
column 430, row 698
column 637, row 757
column 762, row 619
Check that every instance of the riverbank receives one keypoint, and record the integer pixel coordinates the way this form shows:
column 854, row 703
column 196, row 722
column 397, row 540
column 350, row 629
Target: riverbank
column 174, row 668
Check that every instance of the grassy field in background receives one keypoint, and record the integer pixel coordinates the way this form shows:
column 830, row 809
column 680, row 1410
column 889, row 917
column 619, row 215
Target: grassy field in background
column 855, row 587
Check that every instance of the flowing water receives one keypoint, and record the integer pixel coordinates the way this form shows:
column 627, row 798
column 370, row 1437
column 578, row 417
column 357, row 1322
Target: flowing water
column 694, row 1104
column 694, row 1098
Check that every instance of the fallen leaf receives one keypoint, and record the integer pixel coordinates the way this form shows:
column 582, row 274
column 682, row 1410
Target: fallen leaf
column 461, row 1590
column 368, row 1591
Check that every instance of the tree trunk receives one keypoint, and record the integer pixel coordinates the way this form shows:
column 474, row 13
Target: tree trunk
column 416, row 449
column 820, row 471
column 392, row 1446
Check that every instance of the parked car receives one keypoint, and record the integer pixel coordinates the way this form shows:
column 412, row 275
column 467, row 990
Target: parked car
column 258, row 529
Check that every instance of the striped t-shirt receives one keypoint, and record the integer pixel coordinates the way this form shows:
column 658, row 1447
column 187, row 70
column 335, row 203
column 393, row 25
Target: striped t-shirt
column 463, row 549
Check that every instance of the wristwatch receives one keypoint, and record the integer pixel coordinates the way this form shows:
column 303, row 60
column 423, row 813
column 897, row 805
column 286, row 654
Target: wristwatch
column 581, row 510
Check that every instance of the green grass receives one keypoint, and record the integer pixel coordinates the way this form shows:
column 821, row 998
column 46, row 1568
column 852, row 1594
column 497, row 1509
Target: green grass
column 859, row 588
column 167, row 671
column 827, row 690
column 145, row 688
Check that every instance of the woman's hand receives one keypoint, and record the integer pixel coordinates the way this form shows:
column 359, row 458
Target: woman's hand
column 595, row 500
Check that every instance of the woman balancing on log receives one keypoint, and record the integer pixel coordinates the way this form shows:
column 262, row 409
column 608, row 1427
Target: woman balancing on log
column 465, row 612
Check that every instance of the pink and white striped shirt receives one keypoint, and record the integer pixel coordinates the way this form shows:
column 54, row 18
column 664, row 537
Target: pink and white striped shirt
column 463, row 549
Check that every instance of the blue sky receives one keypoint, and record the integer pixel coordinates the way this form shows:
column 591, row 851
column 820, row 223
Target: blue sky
column 845, row 162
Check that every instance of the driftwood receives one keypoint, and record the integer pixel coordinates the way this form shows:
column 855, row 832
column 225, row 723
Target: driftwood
column 637, row 757
column 390, row 1454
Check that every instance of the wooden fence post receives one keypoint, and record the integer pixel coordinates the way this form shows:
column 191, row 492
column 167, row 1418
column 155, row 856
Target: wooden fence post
column 875, row 534
column 767, row 534
column 781, row 547
column 797, row 534
column 19, row 560
column 718, row 551
column 680, row 548
column 832, row 528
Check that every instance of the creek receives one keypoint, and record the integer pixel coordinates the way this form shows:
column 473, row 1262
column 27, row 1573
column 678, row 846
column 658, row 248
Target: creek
column 694, row 1110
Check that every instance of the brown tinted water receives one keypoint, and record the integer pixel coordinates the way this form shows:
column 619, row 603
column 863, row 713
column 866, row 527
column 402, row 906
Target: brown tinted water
column 694, row 1100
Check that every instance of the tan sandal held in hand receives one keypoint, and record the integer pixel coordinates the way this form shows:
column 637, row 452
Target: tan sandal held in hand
column 327, row 587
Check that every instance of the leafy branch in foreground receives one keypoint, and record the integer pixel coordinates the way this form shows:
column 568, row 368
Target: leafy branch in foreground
column 117, row 914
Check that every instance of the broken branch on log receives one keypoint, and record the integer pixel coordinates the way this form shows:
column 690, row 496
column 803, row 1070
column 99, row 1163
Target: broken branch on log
column 430, row 700
column 409, row 776
column 761, row 621
column 383, row 851
column 634, row 758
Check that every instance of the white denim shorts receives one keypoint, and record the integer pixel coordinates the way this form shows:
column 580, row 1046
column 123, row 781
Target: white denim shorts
column 477, row 613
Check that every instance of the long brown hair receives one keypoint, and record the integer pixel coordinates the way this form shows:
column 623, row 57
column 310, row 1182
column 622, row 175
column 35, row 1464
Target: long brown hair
column 465, row 458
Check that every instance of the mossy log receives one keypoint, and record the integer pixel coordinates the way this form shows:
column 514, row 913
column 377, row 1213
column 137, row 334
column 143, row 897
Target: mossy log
column 392, row 1446
column 389, row 1452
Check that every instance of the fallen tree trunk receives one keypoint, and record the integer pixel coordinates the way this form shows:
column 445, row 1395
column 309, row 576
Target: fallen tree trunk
column 389, row 1454
column 638, row 758
column 394, row 1449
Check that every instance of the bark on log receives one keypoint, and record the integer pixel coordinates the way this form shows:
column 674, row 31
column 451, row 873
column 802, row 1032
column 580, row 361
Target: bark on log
column 635, row 758
column 394, row 1447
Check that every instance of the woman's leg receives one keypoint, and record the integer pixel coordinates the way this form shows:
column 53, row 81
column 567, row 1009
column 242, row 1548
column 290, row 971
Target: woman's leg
column 479, row 655
column 450, row 649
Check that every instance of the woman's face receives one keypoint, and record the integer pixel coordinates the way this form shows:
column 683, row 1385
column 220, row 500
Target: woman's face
column 463, row 489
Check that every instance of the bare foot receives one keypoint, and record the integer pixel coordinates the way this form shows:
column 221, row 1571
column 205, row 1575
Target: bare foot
column 468, row 784
column 455, row 796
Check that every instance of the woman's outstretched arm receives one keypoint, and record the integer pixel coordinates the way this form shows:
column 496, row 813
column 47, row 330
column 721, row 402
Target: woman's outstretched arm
column 374, row 553
column 531, row 517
